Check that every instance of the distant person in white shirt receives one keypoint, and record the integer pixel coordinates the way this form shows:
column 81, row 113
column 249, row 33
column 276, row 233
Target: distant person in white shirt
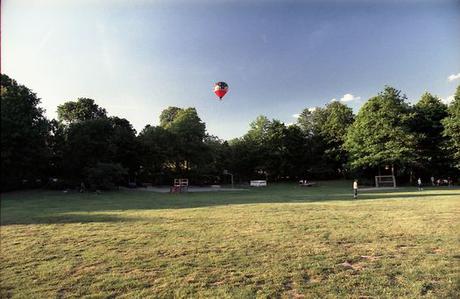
column 419, row 184
column 355, row 189
column 432, row 180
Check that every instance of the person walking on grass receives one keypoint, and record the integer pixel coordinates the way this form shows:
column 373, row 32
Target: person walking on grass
column 419, row 184
column 355, row 189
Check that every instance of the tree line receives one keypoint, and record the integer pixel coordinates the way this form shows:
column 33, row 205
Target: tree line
column 86, row 145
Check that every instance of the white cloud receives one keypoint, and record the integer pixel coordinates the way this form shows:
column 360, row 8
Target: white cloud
column 448, row 100
column 349, row 97
column 334, row 100
column 453, row 77
column 312, row 109
column 296, row 115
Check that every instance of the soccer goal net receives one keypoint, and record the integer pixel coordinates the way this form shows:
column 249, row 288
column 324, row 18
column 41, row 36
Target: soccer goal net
column 385, row 181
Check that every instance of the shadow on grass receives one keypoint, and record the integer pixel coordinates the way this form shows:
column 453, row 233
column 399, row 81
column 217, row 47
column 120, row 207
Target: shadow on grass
column 402, row 196
column 64, row 218
column 49, row 207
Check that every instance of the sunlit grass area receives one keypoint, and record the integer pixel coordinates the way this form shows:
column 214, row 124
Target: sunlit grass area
column 282, row 241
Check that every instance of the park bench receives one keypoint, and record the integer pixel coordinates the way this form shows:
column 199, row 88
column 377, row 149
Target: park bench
column 305, row 183
column 258, row 183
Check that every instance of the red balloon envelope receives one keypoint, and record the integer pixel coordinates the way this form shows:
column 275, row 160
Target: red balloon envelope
column 220, row 89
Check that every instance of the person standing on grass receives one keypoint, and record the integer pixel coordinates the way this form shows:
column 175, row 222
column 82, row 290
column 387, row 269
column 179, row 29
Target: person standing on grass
column 82, row 187
column 419, row 184
column 432, row 180
column 355, row 189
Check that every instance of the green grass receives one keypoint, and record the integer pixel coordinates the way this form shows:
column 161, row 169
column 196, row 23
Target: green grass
column 280, row 242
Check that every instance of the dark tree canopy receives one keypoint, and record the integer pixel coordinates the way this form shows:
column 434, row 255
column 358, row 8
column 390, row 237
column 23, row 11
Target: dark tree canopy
column 270, row 149
column 296, row 152
column 88, row 142
column 105, row 176
column 157, row 151
column 244, row 156
column 100, row 140
column 25, row 131
column 87, row 145
column 176, row 147
column 217, row 158
column 124, row 144
column 80, row 110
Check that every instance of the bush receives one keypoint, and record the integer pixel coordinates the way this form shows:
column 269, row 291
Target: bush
column 105, row 176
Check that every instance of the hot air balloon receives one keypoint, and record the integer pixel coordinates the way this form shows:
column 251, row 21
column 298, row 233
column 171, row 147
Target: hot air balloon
column 220, row 89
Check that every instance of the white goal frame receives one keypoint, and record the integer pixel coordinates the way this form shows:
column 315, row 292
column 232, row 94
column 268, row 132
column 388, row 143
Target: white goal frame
column 385, row 181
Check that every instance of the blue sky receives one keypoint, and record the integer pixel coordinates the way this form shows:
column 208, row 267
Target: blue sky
column 136, row 58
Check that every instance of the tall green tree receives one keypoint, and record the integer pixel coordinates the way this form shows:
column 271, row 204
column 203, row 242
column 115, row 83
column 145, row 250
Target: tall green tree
column 325, row 129
column 309, row 119
column 381, row 133
column 427, row 125
column 168, row 115
column 258, row 139
column 258, row 129
column 178, row 147
column 80, row 110
column 187, row 133
column 452, row 128
column 332, row 128
column 310, row 122
column 270, row 149
column 190, row 132
column 24, row 135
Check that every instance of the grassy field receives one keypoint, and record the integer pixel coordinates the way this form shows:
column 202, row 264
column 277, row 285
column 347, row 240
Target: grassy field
column 283, row 241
